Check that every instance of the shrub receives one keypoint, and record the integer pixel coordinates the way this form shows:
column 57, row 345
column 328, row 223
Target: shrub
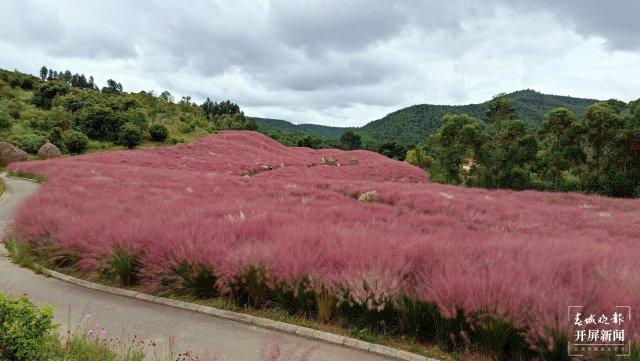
column 124, row 266
column 198, row 281
column 24, row 328
column 187, row 127
column 158, row 132
column 136, row 116
column 45, row 93
column 14, row 108
column 75, row 142
column 29, row 142
column 46, row 120
column 130, row 135
column 5, row 120
column 298, row 299
column 99, row 122
column 55, row 137
column 176, row 140
column 498, row 338
column 250, row 287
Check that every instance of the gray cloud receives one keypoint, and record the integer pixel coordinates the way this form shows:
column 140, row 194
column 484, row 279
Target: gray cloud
column 617, row 21
column 334, row 62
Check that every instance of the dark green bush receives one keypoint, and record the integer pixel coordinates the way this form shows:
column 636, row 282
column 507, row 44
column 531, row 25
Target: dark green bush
column 24, row 328
column 500, row 339
column 130, row 135
column 250, row 288
column 124, row 266
column 158, row 132
column 377, row 321
column 75, row 142
column 99, row 122
column 197, row 281
column 45, row 93
column 299, row 301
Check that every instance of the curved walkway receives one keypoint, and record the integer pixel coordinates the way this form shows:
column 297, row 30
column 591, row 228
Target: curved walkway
column 209, row 337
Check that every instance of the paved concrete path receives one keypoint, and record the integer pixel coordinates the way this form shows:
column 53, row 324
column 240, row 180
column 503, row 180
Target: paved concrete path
column 210, row 337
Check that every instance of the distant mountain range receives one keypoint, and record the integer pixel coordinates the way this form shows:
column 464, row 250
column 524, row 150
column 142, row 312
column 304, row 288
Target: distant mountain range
column 411, row 125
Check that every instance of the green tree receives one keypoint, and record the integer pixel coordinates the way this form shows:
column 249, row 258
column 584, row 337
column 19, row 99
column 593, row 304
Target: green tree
column 505, row 158
column 45, row 93
column 310, row 141
column 392, row 149
column 561, row 144
column 99, row 122
column 418, row 156
column 75, row 142
column 235, row 121
column 112, row 87
column 500, row 108
column 454, row 144
column 130, row 135
column 43, row 73
column 621, row 175
column 601, row 124
column 350, row 140
column 616, row 105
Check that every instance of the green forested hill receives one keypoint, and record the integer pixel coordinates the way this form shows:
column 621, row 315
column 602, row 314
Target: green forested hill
column 267, row 124
column 411, row 125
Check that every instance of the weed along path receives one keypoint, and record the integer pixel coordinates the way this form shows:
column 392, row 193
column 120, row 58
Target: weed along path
column 125, row 318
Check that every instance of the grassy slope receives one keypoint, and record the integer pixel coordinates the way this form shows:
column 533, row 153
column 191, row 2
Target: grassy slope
column 412, row 124
column 169, row 114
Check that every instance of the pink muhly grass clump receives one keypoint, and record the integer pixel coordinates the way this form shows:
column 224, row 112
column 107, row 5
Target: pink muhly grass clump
column 524, row 256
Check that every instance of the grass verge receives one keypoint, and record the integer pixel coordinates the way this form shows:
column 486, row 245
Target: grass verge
column 38, row 178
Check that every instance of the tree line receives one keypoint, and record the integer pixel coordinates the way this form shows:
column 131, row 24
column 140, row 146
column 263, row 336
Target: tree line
column 598, row 154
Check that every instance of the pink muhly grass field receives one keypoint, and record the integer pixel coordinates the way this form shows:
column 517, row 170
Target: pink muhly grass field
column 525, row 256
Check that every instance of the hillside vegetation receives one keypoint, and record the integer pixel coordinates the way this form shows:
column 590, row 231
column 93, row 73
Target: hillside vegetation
column 353, row 238
column 76, row 116
column 413, row 124
column 599, row 153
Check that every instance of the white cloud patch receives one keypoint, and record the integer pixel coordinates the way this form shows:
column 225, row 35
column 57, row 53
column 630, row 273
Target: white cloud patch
column 339, row 63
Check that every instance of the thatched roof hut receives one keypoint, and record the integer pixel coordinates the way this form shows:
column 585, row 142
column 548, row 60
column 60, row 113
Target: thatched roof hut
column 10, row 153
column 48, row 150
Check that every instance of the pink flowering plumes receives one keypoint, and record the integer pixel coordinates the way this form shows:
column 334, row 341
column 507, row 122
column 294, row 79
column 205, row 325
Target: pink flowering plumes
column 238, row 198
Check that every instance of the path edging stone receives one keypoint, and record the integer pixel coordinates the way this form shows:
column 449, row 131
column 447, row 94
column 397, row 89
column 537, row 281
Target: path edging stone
column 248, row 319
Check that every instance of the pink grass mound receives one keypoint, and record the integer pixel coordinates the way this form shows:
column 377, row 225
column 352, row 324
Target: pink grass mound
column 239, row 198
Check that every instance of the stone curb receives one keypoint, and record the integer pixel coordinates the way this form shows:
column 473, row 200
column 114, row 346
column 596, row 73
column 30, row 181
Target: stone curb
column 248, row 319
column 244, row 318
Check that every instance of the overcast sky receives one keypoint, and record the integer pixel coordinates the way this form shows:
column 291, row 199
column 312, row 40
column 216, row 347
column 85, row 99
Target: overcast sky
column 343, row 62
